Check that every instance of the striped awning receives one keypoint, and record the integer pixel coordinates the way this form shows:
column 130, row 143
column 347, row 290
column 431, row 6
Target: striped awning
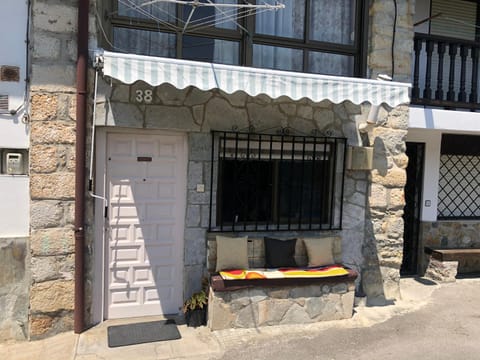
column 129, row 68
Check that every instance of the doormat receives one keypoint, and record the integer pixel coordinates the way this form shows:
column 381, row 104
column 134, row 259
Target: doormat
column 140, row 333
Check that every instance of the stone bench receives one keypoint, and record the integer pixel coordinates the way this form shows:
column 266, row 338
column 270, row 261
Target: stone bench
column 262, row 302
column 444, row 264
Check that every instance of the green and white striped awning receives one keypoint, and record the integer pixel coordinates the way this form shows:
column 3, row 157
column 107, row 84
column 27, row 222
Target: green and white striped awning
column 129, row 68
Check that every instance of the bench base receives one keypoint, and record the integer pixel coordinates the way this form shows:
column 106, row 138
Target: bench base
column 443, row 271
column 251, row 307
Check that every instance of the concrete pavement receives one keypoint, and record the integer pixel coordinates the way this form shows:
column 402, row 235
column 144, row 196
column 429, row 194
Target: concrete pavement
column 427, row 312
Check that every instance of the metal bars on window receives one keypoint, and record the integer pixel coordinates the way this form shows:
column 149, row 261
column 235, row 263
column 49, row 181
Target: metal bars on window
column 282, row 182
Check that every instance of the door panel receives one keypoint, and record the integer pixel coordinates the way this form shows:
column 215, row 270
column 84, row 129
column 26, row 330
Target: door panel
column 146, row 177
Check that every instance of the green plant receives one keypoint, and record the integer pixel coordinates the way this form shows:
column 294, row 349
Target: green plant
column 197, row 301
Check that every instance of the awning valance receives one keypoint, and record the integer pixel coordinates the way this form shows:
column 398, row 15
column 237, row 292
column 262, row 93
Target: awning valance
column 129, row 68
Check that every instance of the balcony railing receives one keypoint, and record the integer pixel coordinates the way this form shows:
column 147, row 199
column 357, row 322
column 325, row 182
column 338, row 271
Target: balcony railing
column 445, row 72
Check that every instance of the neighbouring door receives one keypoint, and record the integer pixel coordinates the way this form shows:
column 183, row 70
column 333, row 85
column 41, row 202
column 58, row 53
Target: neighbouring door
column 146, row 184
column 413, row 202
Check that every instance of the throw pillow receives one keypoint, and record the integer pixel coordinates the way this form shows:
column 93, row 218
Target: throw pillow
column 232, row 253
column 279, row 253
column 319, row 251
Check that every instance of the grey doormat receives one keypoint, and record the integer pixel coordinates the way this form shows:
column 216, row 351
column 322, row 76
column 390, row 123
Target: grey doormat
column 131, row 334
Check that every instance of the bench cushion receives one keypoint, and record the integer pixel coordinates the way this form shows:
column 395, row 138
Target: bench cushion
column 279, row 253
column 319, row 251
column 280, row 273
column 232, row 253
column 219, row 284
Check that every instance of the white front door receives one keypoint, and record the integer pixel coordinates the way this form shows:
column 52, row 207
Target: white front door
column 146, row 184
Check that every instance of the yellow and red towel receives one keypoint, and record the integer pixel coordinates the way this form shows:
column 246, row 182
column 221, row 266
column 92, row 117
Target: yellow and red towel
column 317, row 272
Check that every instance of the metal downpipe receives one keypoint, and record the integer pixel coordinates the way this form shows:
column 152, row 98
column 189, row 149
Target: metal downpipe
column 82, row 61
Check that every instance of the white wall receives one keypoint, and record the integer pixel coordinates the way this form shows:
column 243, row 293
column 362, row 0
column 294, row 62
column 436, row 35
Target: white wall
column 432, row 140
column 14, row 189
column 13, row 27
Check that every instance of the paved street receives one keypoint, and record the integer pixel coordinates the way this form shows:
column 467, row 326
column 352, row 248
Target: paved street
column 430, row 322
column 448, row 327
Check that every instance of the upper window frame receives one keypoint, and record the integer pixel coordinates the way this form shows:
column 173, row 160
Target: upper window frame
column 358, row 49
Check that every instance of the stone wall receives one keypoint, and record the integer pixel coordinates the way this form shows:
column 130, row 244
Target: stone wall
column 383, row 247
column 14, row 283
column 265, row 306
column 53, row 51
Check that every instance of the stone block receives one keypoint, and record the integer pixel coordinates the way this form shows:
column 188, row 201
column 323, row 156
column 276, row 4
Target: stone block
column 393, row 140
column 220, row 115
column 55, row 241
column 59, row 186
column 45, row 268
column 170, row 95
column 197, row 97
column 55, row 18
column 192, row 218
column 289, row 109
column 52, row 132
column 120, row 93
column 13, row 252
column 167, row 117
column 394, row 177
column 52, row 296
column 45, row 325
column 43, row 106
column 443, row 271
column 195, row 175
column 396, row 199
column 48, row 158
column 198, row 112
column 120, row 114
column 46, row 214
column 55, row 78
column 45, row 46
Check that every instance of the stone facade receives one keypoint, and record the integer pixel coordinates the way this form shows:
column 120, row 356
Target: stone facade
column 14, row 284
column 266, row 306
column 52, row 166
column 372, row 231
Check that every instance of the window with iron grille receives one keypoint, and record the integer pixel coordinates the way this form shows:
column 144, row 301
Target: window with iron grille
column 276, row 182
column 459, row 181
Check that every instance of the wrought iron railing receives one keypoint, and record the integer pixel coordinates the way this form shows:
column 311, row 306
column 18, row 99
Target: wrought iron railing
column 445, row 72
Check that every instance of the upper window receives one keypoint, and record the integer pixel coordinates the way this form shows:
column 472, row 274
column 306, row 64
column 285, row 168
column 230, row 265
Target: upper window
column 316, row 36
column 276, row 182
column 459, row 181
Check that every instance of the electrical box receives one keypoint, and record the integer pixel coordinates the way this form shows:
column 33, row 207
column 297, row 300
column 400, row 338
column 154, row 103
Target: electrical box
column 359, row 158
column 14, row 161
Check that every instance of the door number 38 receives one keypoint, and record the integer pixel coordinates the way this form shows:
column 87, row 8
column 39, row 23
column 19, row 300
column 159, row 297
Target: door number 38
column 144, row 96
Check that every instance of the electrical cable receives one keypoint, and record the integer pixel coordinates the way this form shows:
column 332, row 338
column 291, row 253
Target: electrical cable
column 393, row 37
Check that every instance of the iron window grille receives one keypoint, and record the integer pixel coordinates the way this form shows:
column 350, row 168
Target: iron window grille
column 280, row 182
column 459, row 178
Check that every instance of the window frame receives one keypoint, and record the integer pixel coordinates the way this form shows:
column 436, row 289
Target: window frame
column 313, row 155
column 358, row 49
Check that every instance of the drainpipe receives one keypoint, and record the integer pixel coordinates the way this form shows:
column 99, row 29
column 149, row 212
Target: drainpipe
column 82, row 60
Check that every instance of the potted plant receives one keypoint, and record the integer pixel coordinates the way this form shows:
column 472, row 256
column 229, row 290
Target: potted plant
column 195, row 309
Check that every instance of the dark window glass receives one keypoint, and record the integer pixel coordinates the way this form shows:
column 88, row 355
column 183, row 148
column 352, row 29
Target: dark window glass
column 333, row 21
column 288, row 22
column 144, row 42
column 330, row 64
column 274, row 57
column 157, row 11
column 206, row 16
column 211, row 50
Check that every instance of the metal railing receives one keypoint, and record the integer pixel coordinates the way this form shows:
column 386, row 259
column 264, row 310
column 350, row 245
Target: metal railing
column 445, row 72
